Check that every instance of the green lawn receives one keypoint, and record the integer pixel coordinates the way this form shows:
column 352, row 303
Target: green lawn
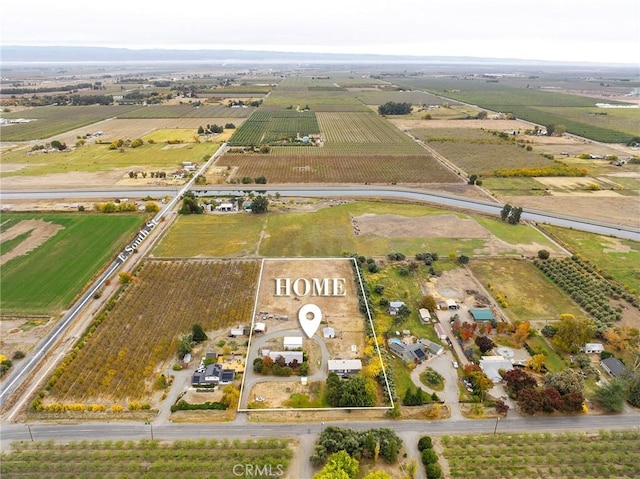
column 530, row 295
column 516, row 234
column 553, row 361
column 614, row 256
column 45, row 280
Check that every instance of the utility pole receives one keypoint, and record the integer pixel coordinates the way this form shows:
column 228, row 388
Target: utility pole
column 496, row 426
column 30, row 435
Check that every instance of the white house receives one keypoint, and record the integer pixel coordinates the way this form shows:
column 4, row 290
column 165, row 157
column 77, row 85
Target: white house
column 260, row 328
column 592, row 348
column 237, row 331
column 225, row 207
column 292, row 343
column 344, row 366
column 491, row 366
column 289, row 356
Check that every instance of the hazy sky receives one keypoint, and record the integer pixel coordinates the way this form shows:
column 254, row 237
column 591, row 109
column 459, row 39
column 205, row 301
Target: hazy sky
column 605, row 31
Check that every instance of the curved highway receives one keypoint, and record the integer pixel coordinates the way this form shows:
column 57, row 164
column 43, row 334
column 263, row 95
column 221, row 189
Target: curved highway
column 538, row 216
column 567, row 221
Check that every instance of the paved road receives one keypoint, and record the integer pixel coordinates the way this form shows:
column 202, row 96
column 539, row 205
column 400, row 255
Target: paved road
column 22, row 369
column 241, row 429
column 631, row 232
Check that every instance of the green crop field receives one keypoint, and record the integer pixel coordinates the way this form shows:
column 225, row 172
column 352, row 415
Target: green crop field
column 54, row 120
column 479, row 152
column 612, row 255
column 45, row 280
column 317, row 100
column 610, row 454
column 96, row 158
column 195, row 459
column 538, row 105
column 362, row 128
column 541, row 300
column 416, row 98
column 188, row 111
column 274, row 126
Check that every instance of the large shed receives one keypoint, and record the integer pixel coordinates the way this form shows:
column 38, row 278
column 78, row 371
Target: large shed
column 483, row 315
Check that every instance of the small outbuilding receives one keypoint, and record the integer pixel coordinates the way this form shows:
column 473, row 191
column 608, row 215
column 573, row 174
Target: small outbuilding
column 451, row 304
column 442, row 334
column 592, row 348
column 425, row 316
column 260, row 328
column 238, row 330
column 292, row 343
column 394, row 307
column 328, row 333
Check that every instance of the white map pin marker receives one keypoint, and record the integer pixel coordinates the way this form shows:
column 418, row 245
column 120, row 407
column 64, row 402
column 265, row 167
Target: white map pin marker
column 310, row 316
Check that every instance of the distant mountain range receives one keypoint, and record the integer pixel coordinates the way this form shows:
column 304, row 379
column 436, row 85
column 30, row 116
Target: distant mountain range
column 58, row 54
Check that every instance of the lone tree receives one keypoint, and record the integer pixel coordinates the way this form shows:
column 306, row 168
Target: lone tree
column 260, row 204
column 572, row 333
column 505, row 212
column 484, row 343
column 190, row 205
column 198, row 333
column 514, row 217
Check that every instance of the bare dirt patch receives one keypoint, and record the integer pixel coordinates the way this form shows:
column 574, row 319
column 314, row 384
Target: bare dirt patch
column 8, row 167
column 340, row 313
column 22, row 333
column 437, row 226
column 622, row 210
column 406, row 124
column 39, row 232
column 63, row 180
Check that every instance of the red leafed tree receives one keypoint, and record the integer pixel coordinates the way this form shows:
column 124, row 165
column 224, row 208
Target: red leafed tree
column 518, row 380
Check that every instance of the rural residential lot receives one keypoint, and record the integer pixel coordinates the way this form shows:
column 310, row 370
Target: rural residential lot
column 154, row 267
